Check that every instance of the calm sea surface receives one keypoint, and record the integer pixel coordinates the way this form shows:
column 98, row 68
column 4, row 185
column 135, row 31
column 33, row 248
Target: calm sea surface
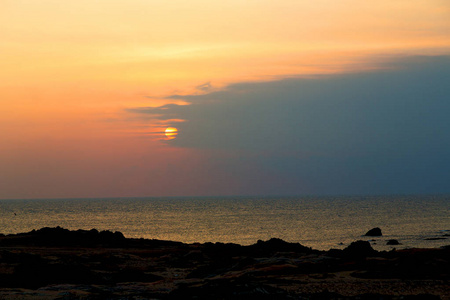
column 317, row 222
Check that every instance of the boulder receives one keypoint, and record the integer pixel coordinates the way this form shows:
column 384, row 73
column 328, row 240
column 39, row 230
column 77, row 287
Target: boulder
column 275, row 245
column 392, row 242
column 359, row 249
column 374, row 232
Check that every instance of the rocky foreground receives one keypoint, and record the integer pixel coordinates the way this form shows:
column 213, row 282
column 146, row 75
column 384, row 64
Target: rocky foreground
column 55, row 263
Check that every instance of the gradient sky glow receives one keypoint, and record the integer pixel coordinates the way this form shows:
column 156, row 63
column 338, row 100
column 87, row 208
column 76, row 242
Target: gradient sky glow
column 269, row 97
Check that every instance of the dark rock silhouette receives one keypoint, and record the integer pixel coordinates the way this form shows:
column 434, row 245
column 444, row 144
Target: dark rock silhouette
column 57, row 236
column 63, row 237
column 374, row 232
column 229, row 289
column 277, row 245
column 88, row 264
column 359, row 249
column 393, row 242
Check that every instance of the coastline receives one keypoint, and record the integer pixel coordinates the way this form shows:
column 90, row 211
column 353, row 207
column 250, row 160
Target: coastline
column 318, row 222
column 56, row 263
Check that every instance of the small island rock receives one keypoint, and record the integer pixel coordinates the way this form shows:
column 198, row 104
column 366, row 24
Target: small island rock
column 392, row 242
column 374, row 232
column 359, row 249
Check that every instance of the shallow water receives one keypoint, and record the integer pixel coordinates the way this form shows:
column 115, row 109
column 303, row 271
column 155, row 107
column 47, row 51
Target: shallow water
column 317, row 222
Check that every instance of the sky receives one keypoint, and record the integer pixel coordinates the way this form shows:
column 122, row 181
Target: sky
column 269, row 98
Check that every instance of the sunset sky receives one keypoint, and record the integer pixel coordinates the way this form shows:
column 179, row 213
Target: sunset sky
column 269, row 97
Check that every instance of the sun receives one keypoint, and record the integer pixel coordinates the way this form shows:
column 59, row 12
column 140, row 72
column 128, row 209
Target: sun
column 171, row 133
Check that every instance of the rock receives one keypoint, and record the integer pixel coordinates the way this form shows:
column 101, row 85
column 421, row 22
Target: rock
column 228, row 289
column 277, row 245
column 57, row 236
column 374, row 232
column 130, row 275
column 359, row 249
column 392, row 242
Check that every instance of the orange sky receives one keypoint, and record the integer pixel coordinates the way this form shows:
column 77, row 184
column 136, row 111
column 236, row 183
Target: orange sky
column 70, row 69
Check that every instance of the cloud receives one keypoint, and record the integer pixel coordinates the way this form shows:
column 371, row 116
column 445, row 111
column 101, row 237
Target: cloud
column 206, row 87
column 385, row 131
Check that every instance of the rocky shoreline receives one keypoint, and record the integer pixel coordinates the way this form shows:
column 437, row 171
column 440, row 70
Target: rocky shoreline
column 56, row 263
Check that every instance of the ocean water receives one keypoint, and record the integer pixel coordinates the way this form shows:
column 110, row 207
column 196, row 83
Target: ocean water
column 318, row 222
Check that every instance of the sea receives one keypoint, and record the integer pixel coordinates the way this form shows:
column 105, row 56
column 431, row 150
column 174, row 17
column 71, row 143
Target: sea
column 318, row 222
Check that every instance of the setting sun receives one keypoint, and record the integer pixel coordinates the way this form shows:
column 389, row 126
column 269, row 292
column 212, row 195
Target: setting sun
column 171, row 132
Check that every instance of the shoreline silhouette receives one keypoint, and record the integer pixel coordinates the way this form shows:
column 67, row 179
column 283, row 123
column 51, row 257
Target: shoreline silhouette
column 52, row 262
